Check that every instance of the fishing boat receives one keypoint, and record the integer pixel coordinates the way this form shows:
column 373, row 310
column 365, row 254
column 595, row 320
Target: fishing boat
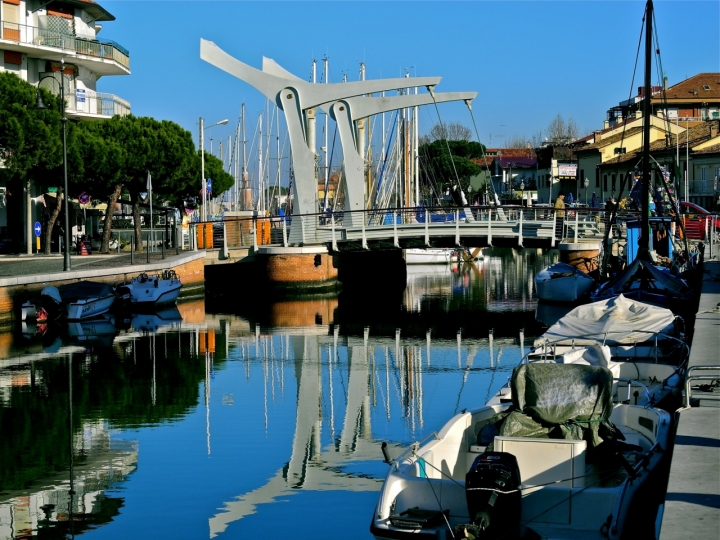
column 75, row 301
column 646, row 282
column 558, row 459
column 147, row 290
column 561, row 282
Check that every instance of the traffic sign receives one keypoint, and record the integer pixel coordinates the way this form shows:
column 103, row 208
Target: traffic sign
column 38, row 228
column 83, row 198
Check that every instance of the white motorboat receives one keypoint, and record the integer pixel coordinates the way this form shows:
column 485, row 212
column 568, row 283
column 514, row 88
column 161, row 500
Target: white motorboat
column 548, row 463
column 76, row 301
column 147, row 290
column 561, row 282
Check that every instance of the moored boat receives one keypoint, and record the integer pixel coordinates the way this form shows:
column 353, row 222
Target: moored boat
column 561, row 282
column 147, row 290
column 76, row 301
column 558, row 459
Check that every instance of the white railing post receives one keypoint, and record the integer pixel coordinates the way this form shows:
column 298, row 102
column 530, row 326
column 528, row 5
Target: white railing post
column 457, row 227
column 302, row 228
column 284, row 229
column 193, row 237
column 490, row 227
column 427, row 227
column 395, row 233
column 520, row 237
column 576, row 225
column 254, row 233
column 554, row 232
column 364, row 238
column 225, row 254
column 332, row 228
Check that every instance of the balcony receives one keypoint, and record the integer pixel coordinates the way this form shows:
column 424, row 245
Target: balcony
column 84, row 103
column 114, row 59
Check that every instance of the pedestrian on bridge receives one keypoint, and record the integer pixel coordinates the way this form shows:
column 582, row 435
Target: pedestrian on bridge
column 559, row 215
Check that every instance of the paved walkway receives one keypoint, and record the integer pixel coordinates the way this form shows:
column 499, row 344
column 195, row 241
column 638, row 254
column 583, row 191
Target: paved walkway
column 23, row 265
column 692, row 504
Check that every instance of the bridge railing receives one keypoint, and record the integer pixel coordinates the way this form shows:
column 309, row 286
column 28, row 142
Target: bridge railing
column 334, row 227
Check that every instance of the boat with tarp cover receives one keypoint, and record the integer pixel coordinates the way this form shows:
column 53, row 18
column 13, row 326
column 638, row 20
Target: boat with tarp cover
column 559, row 459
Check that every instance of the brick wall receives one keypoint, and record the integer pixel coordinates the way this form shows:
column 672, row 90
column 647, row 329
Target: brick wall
column 298, row 269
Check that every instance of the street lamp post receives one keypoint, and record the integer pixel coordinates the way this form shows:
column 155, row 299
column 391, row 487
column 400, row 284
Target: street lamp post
column 203, row 184
column 522, row 193
column 587, row 183
column 39, row 106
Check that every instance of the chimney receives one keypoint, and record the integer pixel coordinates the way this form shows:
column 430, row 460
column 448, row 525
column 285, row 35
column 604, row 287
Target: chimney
column 713, row 130
column 598, row 136
column 665, row 86
column 606, row 124
column 638, row 114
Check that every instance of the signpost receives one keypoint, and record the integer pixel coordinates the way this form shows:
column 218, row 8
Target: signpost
column 38, row 231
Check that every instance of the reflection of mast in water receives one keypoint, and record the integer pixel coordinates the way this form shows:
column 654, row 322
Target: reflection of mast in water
column 468, row 365
column 208, row 363
column 71, row 493
column 427, row 346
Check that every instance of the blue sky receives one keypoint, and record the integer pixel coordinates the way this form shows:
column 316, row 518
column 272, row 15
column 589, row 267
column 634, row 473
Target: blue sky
column 529, row 61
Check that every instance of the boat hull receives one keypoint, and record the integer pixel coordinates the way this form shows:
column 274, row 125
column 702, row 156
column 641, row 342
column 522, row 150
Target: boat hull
column 89, row 308
column 562, row 283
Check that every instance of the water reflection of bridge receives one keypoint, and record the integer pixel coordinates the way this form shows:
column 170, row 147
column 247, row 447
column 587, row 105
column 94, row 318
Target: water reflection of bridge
column 370, row 382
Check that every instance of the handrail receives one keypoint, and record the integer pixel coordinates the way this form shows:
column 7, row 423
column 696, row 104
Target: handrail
column 688, row 388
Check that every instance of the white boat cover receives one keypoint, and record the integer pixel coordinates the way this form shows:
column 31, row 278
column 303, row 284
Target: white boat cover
column 615, row 321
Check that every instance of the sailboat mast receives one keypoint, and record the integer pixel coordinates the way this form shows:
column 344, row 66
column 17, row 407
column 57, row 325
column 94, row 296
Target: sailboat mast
column 244, row 163
column 644, row 242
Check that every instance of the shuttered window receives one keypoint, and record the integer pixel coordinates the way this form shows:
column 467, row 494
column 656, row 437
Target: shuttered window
column 58, row 10
column 10, row 27
column 13, row 57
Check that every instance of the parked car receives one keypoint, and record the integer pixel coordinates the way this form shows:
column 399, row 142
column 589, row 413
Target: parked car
column 695, row 220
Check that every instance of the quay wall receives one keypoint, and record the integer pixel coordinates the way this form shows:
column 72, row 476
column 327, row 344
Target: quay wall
column 14, row 291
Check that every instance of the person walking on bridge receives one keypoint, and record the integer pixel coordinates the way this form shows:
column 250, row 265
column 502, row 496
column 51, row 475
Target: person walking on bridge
column 559, row 215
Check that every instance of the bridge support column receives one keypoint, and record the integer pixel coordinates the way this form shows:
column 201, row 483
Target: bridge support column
column 582, row 255
column 297, row 270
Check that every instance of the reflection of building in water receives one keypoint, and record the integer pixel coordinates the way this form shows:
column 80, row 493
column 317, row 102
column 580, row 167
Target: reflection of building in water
column 47, row 505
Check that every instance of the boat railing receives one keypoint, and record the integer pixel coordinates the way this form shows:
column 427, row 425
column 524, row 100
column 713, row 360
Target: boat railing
column 654, row 340
column 690, row 378
column 630, row 386
column 414, row 448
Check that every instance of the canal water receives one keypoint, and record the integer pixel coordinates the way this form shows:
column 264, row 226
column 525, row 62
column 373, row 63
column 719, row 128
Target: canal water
column 238, row 417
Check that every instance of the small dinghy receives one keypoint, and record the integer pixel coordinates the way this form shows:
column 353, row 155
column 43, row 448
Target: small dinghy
column 75, row 301
column 147, row 290
column 557, row 460
column 561, row 282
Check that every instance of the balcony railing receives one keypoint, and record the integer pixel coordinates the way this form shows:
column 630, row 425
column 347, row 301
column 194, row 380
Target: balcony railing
column 82, row 100
column 101, row 103
column 32, row 35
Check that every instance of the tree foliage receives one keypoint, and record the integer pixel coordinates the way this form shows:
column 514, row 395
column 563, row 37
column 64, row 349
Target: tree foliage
column 438, row 167
column 104, row 159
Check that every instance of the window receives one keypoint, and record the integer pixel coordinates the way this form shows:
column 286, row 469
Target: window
column 605, row 188
column 706, row 87
column 597, row 177
column 12, row 57
column 10, row 28
column 703, row 179
column 614, row 183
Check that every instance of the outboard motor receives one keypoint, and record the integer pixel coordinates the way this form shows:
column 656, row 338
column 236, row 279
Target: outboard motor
column 492, row 489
